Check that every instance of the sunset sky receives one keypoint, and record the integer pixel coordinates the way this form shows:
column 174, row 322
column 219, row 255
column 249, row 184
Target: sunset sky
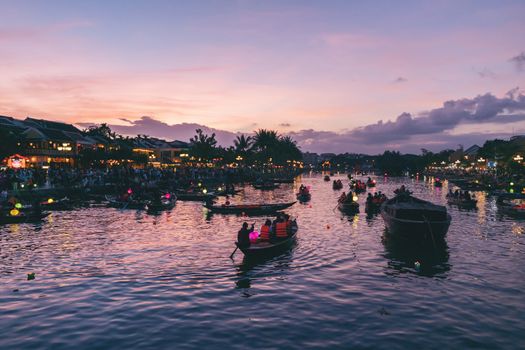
column 328, row 72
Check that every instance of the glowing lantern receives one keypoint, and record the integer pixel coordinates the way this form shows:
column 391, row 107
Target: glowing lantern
column 50, row 200
column 219, row 189
column 512, row 183
column 355, row 198
column 204, row 191
column 130, row 191
column 199, row 184
column 253, row 236
column 21, row 185
column 18, row 205
column 14, row 212
column 168, row 196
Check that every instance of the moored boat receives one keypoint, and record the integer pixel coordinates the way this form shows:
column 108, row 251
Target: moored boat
column 248, row 209
column 326, row 178
column 261, row 250
column 409, row 217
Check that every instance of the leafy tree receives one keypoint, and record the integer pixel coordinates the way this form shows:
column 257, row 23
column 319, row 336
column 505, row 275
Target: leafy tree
column 102, row 130
column 9, row 143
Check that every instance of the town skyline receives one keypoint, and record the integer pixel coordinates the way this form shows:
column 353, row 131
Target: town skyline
column 346, row 77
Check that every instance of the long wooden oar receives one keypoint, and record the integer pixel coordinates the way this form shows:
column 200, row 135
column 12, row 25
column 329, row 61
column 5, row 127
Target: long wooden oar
column 237, row 247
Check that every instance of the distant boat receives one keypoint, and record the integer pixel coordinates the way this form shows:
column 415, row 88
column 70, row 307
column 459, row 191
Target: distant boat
column 194, row 196
column 265, row 186
column 22, row 218
column 348, row 207
column 461, row 201
column 253, row 209
column 409, row 217
column 512, row 204
column 303, row 197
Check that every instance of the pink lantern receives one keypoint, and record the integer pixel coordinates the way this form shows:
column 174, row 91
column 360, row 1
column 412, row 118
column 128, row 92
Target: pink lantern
column 253, row 236
column 130, row 191
column 168, row 196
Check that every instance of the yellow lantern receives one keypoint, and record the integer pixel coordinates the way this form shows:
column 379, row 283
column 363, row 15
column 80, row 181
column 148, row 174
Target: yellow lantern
column 50, row 200
column 14, row 212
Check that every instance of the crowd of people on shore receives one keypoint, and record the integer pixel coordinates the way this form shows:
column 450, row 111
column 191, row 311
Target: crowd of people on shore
column 121, row 176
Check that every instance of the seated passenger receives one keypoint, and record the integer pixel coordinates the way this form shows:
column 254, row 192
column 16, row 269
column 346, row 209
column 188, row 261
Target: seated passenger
column 265, row 231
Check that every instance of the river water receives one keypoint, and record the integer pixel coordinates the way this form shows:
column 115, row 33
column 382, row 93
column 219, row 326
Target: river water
column 120, row 279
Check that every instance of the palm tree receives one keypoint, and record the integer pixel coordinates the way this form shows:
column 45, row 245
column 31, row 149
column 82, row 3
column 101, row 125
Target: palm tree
column 286, row 149
column 242, row 143
column 242, row 146
column 265, row 139
column 203, row 146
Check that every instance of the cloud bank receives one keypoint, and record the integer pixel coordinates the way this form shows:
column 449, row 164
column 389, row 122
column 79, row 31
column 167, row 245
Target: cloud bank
column 431, row 129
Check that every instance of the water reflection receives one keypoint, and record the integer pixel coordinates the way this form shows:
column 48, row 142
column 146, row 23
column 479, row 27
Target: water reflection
column 251, row 269
column 424, row 258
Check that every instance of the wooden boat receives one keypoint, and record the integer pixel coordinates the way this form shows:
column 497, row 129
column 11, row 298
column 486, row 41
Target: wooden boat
column 132, row 204
column 303, row 197
column 22, row 217
column 282, row 180
column 248, row 208
column 57, row 204
column 461, row 201
column 261, row 250
column 371, row 207
column 512, row 204
column 349, row 207
column 409, row 217
column 223, row 192
column 164, row 204
column 337, row 185
column 194, row 196
column 265, row 186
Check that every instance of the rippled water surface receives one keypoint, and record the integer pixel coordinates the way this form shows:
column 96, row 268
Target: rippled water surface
column 116, row 279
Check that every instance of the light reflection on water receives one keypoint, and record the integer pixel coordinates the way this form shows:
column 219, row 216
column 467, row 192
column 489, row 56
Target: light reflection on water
column 108, row 278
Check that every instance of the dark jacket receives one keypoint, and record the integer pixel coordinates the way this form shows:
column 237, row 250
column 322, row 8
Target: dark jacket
column 243, row 237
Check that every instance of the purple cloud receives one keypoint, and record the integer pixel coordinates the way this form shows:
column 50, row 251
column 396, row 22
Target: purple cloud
column 519, row 61
column 153, row 127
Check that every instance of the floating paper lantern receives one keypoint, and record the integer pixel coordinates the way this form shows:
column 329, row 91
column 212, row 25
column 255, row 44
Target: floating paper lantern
column 130, row 191
column 14, row 212
column 50, row 200
column 204, row 191
column 18, row 205
column 355, row 198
